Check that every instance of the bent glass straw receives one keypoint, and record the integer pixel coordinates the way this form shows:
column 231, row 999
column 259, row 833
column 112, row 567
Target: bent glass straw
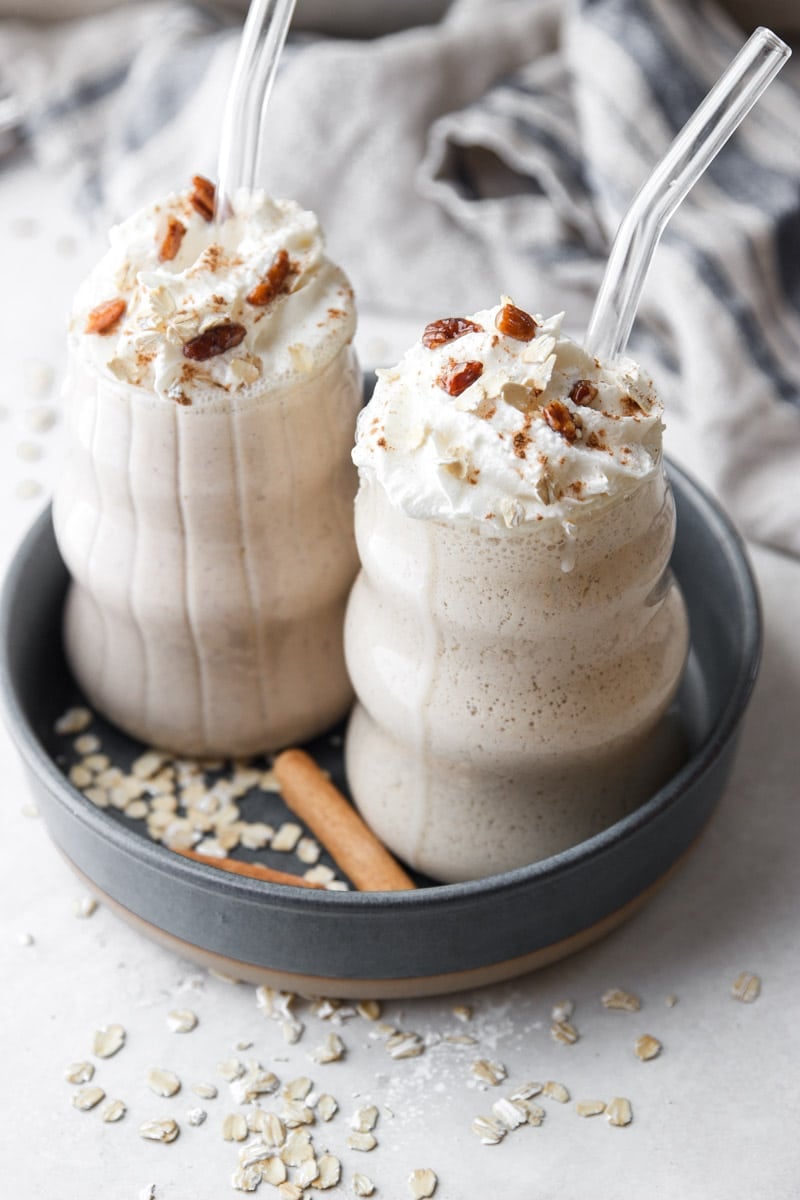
column 700, row 140
column 263, row 37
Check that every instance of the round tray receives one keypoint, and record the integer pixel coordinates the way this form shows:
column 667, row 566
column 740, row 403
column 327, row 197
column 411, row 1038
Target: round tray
column 440, row 937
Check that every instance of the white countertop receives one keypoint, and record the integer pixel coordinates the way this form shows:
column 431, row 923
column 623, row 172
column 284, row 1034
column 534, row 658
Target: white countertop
column 715, row 1115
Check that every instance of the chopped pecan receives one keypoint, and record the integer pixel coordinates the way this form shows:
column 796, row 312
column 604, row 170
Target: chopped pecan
column 172, row 240
column 214, row 340
column 105, row 316
column 515, row 323
column 438, row 333
column 459, row 376
column 583, row 392
column 274, row 281
column 202, row 197
column 561, row 420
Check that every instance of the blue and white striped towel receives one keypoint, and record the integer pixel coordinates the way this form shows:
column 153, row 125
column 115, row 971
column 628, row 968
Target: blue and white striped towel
column 494, row 152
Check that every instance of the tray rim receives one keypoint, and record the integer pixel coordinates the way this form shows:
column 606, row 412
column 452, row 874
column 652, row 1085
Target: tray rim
column 275, row 896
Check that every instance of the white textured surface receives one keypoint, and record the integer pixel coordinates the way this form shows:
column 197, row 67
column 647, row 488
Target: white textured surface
column 715, row 1115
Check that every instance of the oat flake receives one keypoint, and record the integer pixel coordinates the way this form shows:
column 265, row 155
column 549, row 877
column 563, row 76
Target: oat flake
column 619, row 1111
column 489, row 1130
column 79, row 1072
column 327, row 1107
column 163, row 1130
column 108, row 1041
column 370, row 1010
column 746, row 987
column 362, row 1141
column 234, row 1127
column 362, row 1185
column 556, row 1091
column 163, row 1083
column 329, row 1172
column 114, row 1111
column 364, row 1119
column 647, row 1047
column 206, row 1091
column 590, row 1108
column 87, row 1097
column 273, row 1171
column 181, row 1020
column 617, row 998
column 488, row 1071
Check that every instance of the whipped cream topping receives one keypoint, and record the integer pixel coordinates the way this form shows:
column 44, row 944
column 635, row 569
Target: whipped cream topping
column 542, row 431
column 207, row 283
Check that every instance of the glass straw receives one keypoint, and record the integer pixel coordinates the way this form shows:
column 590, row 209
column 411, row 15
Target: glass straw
column 263, row 37
column 700, row 140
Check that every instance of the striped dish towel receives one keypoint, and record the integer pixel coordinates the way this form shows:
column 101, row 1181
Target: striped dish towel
column 493, row 152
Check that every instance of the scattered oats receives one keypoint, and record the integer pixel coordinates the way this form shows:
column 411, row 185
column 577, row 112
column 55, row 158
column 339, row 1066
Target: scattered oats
column 273, row 1170
column 196, row 1116
column 270, row 1126
column 108, row 1041
column 362, row 1141
column 327, row 1107
column 253, row 1152
column 488, row 1071
column 370, row 1010
column 564, row 1033
column 234, row 1127
column 364, row 1119
column 87, row 743
column 148, row 764
column 619, row 1111
column 163, row 1083
column 323, row 1008
column 590, row 1108
column 488, row 1130
column 616, row 998
column 25, row 938
column 136, row 810
column 81, row 776
column 556, row 1091
column 461, row 1039
column 295, row 1113
column 255, row 1082
column 746, row 987
column 84, row 906
column 319, row 874
column 362, row 1185
column 307, row 850
column 97, row 795
column 534, row 1113
column 509, row 1113
column 206, row 1091
column 422, row 1183
column 382, row 1029
column 292, row 1030
column 79, row 1072
column 562, row 1011
column 246, row 1179
column 337, row 885
column 256, row 836
column 526, row 1091
column 290, row 1191
column 306, row 1173
column 97, row 762
column 268, row 782
column 405, row 1045
column 647, row 1047
column 114, row 1111
column 286, row 836
column 329, row 1172
column 113, row 777
column 41, row 420
column 671, row 1000
column 87, row 1098
column 242, row 1044
column 297, row 1148
column 232, row 1068
column 297, row 1089
column 462, row 1012
column 28, row 489
column 330, row 1051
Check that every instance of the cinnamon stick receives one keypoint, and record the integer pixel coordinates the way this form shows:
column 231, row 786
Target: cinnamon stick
column 350, row 842
column 251, row 870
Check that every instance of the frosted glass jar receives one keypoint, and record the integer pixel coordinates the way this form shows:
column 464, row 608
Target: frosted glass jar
column 512, row 685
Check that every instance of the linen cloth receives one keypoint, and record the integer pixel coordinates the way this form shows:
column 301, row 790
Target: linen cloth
column 493, row 152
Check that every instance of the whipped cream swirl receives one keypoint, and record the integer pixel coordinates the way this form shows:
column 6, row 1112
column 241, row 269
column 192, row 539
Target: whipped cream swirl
column 499, row 430
column 207, row 283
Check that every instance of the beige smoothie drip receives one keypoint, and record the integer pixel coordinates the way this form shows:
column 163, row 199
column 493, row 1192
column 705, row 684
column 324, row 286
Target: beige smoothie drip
column 205, row 510
column 514, row 637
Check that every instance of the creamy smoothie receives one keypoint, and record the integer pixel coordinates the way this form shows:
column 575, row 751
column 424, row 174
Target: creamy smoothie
column 205, row 513
column 515, row 636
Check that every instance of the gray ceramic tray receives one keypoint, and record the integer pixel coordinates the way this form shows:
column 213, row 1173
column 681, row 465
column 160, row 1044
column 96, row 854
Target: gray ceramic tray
column 438, row 938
